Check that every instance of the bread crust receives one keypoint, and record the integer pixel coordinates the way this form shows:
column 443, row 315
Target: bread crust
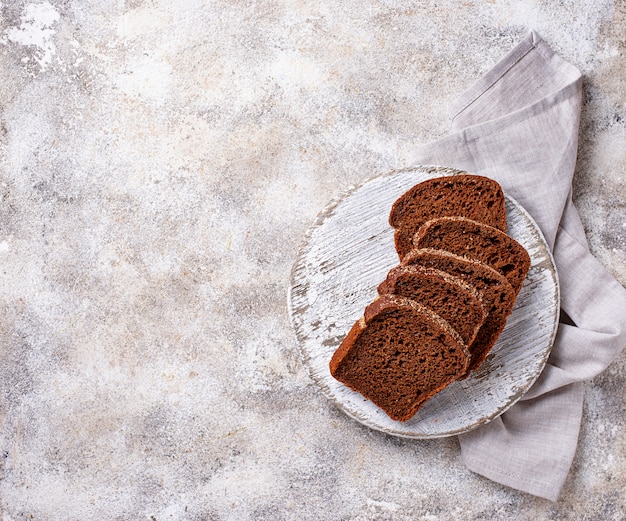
column 370, row 366
column 498, row 294
column 457, row 302
column 476, row 197
column 477, row 241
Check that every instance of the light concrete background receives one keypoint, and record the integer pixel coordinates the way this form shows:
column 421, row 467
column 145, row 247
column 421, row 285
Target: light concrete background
column 160, row 162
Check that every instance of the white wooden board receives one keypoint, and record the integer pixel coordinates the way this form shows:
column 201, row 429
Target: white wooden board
column 348, row 251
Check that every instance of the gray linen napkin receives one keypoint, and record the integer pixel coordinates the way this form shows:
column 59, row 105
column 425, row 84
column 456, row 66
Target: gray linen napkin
column 519, row 125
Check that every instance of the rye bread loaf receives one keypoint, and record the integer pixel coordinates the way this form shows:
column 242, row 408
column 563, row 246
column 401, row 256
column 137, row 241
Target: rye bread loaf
column 466, row 195
column 497, row 293
column 398, row 355
column 450, row 297
column 478, row 241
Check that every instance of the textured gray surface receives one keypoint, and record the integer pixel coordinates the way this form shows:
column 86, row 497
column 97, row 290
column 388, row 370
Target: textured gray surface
column 160, row 163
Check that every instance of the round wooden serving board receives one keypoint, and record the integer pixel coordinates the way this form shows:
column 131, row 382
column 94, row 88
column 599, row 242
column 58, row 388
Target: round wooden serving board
column 348, row 251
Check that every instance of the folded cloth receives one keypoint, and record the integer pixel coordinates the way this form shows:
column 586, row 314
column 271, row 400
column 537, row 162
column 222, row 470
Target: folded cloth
column 519, row 125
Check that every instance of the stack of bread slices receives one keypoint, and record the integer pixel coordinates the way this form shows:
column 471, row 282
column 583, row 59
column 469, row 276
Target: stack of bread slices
column 441, row 309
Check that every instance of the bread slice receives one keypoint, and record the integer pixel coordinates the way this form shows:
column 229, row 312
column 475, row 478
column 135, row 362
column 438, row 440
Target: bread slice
column 450, row 297
column 496, row 291
column 466, row 195
column 478, row 241
column 398, row 355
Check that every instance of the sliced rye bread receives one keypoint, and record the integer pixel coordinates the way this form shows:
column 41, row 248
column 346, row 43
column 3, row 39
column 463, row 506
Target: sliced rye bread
column 466, row 195
column 398, row 355
column 478, row 241
column 497, row 293
column 450, row 297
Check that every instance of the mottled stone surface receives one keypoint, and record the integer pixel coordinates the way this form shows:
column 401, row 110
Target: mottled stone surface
column 159, row 164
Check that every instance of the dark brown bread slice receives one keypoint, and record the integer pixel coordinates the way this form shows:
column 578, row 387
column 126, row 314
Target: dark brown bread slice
column 466, row 195
column 477, row 241
column 450, row 297
column 399, row 355
column 498, row 295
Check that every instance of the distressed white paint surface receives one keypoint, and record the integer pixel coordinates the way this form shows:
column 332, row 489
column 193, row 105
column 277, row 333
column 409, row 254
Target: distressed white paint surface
column 347, row 254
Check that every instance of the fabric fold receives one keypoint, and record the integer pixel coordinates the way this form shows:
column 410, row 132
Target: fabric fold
column 531, row 446
column 519, row 124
